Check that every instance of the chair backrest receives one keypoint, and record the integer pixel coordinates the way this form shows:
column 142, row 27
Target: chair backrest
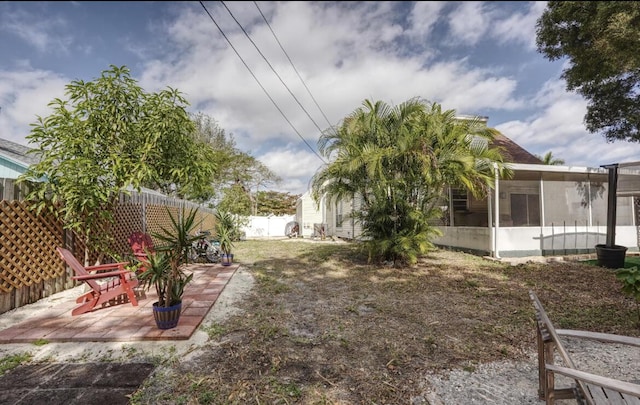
column 77, row 267
column 141, row 243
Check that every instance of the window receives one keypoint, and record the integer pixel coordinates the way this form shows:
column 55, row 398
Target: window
column 459, row 199
column 525, row 209
column 339, row 214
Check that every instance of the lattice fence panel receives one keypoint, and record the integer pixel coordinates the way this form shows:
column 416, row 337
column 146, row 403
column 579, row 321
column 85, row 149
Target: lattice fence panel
column 158, row 218
column 127, row 220
column 28, row 246
column 206, row 221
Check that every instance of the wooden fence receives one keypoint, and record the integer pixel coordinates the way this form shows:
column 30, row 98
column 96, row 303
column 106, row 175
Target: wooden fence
column 30, row 269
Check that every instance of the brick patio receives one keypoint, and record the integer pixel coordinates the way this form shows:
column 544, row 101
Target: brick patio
column 125, row 322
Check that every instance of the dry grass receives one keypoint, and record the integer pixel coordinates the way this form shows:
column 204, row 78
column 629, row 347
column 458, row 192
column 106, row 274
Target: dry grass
column 321, row 326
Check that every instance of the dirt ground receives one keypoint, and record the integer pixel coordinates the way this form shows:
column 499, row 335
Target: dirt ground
column 322, row 326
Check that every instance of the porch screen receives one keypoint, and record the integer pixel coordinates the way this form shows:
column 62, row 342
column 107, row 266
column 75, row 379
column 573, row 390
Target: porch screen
column 525, row 209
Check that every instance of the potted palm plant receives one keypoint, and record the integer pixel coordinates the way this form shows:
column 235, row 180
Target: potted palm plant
column 165, row 269
column 225, row 227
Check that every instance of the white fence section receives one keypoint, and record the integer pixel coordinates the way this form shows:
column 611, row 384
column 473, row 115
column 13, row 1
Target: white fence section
column 267, row 227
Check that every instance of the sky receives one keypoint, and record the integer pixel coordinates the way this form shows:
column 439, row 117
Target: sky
column 276, row 74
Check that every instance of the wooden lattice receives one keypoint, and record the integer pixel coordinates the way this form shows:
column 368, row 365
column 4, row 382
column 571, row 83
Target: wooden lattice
column 128, row 219
column 28, row 246
column 30, row 267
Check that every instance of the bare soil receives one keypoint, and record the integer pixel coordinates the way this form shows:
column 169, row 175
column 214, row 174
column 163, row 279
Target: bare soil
column 322, row 326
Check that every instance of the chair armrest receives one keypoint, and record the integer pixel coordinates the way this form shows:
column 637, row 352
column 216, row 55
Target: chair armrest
column 603, row 337
column 600, row 381
column 108, row 266
column 98, row 276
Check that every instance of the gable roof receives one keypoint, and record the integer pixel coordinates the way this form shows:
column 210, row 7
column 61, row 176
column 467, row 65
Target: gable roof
column 512, row 152
column 17, row 153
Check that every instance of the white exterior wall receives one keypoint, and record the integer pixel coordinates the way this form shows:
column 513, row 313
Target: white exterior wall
column 347, row 228
column 307, row 214
column 534, row 241
column 476, row 239
column 267, row 227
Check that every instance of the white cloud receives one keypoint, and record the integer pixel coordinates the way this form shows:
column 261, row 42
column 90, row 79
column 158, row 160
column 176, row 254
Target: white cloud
column 424, row 15
column 295, row 167
column 469, row 22
column 44, row 34
column 558, row 127
column 24, row 96
column 519, row 27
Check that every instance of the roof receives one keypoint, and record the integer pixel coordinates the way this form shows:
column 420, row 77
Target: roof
column 17, row 153
column 514, row 153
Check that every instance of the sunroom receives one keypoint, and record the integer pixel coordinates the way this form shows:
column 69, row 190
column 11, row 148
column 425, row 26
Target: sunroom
column 545, row 210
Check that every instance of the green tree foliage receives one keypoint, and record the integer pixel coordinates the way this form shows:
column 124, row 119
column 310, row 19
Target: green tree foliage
column 276, row 203
column 239, row 172
column 107, row 136
column 601, row 41
column 398, row 161
column 549, row 159
column 235, row 201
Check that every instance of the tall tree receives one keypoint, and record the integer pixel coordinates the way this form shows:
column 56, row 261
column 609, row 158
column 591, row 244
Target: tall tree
column 398, row 161
column 549, row 159
column 110, row 135
column 601, row 41
column 276, row 203
column 238, row 171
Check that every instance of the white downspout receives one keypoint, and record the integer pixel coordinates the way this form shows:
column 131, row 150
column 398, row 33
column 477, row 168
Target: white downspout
column 542, row 219
column 496, row 228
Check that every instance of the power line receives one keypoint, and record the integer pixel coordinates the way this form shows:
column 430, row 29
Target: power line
column 292, row 65
column 272, row 69
column 260, row 84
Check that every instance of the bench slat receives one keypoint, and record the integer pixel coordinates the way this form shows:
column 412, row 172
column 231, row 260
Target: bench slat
column 631, row 400
column 599, row 396
column 603, row 337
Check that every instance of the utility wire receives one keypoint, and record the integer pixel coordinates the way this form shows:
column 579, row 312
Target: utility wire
column 260, row 84
column 268, row 63
column 292, row 65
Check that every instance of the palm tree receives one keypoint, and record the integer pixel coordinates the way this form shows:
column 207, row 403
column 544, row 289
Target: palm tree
column 399, row 161
column 549, row 159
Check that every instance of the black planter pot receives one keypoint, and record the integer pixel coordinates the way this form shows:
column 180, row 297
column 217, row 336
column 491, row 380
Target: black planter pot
column 167, row 317
column 611, row 257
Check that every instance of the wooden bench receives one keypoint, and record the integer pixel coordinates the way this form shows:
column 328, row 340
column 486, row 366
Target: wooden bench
column 589, row 388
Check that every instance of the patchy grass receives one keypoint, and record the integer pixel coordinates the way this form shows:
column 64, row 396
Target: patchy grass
column 629, row 261
column 322, row 326
column 8, row 363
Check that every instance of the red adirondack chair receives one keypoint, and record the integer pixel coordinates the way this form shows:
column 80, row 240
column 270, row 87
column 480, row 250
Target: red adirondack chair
column 141, row 245
column 109, row 281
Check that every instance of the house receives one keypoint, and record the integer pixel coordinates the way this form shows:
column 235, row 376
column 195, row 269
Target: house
column 310, row 218
column 542, row 210
column 14, row 161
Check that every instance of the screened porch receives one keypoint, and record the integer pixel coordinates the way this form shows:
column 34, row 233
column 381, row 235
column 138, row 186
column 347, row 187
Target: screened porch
column 544, row 210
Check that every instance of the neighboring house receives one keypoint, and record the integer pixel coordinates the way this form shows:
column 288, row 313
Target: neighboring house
column 14, row 161
column 542, row 210
column 309, row 216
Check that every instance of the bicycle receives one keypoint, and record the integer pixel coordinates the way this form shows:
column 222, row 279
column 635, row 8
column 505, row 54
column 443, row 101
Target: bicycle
column 205, row 248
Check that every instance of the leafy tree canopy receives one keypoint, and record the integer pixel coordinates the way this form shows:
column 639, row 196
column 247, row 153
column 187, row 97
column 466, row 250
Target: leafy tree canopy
column 238, row 172
column 276, row 203
column 107, row 136
column 601, row 41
